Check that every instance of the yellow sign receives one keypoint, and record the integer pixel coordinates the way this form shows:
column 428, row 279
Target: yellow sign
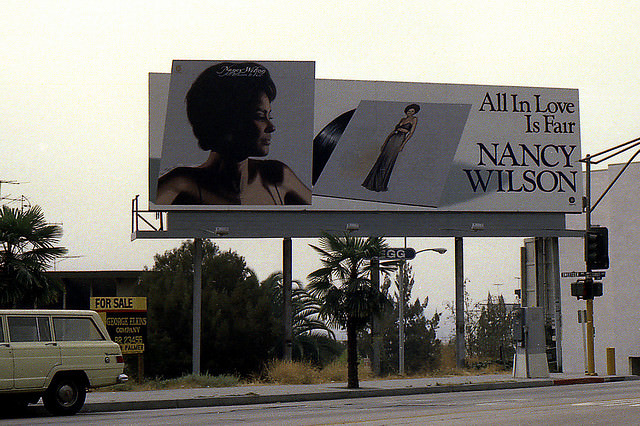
column 118, row 303
column 126, row 321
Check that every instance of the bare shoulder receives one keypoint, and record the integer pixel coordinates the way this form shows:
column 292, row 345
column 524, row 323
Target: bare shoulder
column 298, row 191
column 275, row 171
column 279, row 174
column 178, row 182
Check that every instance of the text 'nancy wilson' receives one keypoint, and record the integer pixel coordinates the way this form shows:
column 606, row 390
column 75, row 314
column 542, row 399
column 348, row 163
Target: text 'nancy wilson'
column 509, row 168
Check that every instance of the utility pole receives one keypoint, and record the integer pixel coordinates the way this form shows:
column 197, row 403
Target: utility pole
column 591, row 365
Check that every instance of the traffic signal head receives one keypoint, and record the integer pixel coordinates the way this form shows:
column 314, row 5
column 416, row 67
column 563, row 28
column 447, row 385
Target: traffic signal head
column 596, row 290
column 586, row 289
column 596, row 248
column 577, row 289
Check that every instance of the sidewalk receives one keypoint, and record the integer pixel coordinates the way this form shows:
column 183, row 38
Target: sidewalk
column 267, row 394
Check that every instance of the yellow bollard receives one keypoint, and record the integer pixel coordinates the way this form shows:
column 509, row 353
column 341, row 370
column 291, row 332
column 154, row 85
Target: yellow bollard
column 611, row 361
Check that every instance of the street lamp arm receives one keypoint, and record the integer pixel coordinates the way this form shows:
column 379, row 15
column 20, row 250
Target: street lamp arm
column 439, row 250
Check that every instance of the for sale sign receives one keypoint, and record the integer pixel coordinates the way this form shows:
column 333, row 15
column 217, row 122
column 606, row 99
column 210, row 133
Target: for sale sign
column 126, row 321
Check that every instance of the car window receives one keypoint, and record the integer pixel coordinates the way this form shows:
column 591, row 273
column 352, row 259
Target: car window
column 82, row 328
column 1, row 331
column 29, row 329
column 23, row 329
column 44, row 329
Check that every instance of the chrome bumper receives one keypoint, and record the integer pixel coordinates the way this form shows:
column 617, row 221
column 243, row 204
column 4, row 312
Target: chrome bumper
column 123, row 378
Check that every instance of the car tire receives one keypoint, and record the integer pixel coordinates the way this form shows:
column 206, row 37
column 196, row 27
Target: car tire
column 65, row 396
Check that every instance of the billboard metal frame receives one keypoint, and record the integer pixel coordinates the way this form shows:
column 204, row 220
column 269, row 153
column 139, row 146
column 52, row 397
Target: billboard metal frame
column 310, row 223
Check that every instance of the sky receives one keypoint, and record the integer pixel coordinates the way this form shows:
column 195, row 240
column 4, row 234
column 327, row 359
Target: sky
column 74, row 98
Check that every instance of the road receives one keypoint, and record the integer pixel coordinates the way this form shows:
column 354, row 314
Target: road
column 594, row 404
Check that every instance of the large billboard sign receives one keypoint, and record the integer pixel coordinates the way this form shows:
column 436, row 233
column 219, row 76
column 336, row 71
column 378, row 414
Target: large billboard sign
column 236, row 133
column 262, row 135
column 448, row 147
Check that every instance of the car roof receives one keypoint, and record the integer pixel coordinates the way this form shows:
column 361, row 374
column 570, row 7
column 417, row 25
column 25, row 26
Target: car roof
column 72, row 312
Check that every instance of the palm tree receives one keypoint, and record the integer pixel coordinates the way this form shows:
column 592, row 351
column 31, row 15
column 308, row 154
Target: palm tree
column 27, row 248
column 305, row 307
column 344, row 285
column 307, row 327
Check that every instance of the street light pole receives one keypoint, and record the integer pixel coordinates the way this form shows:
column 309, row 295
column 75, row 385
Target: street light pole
column 401, row 303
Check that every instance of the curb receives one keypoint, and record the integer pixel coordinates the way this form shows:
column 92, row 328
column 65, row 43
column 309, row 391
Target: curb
column 255, row 399
column 595, row 379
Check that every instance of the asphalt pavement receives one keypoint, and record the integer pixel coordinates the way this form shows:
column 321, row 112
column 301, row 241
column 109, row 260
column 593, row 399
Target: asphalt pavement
column 100, row 401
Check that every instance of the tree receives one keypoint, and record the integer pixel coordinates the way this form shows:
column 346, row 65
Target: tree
column 470, row 318
column 422, row 348
column 491, row 336
column 343, row 283
column 27, row 249
column 312, row 339
column 421, row 345
column 239, row 330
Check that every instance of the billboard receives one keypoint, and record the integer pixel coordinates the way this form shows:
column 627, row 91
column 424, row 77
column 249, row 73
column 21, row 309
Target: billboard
column 235, row 133
column 357, row 145
column 448, row 147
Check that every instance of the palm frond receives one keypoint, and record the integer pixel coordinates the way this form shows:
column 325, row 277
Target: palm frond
column 27, row 248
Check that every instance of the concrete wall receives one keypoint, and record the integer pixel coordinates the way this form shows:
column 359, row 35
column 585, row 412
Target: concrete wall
column 617, row 312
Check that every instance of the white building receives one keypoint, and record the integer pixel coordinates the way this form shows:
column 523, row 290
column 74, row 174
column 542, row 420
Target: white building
column 617, row 312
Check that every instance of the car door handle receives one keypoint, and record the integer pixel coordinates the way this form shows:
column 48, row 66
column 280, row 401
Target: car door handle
column 51, row 344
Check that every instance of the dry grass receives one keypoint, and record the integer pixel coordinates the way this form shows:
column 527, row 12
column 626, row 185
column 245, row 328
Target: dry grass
column 297, row 373
column 292, row 373
column 475, row 366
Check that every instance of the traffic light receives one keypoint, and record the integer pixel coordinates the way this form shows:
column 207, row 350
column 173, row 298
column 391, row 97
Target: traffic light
column 586, row 289
column 596, row 248
column 596, row 289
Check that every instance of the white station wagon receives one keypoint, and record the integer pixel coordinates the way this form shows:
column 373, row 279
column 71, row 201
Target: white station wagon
column 56, row 355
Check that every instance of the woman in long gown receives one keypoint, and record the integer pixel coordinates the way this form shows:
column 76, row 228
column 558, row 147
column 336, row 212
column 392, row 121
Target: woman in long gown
column 378, row 178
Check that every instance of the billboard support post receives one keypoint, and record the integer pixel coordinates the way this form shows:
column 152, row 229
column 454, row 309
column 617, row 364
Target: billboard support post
column 460, row 343
column 197, row 305
column 376, row 339
column 286, row 298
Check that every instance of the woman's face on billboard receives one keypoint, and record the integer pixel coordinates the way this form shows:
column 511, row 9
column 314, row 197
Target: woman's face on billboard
column 255, row 138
